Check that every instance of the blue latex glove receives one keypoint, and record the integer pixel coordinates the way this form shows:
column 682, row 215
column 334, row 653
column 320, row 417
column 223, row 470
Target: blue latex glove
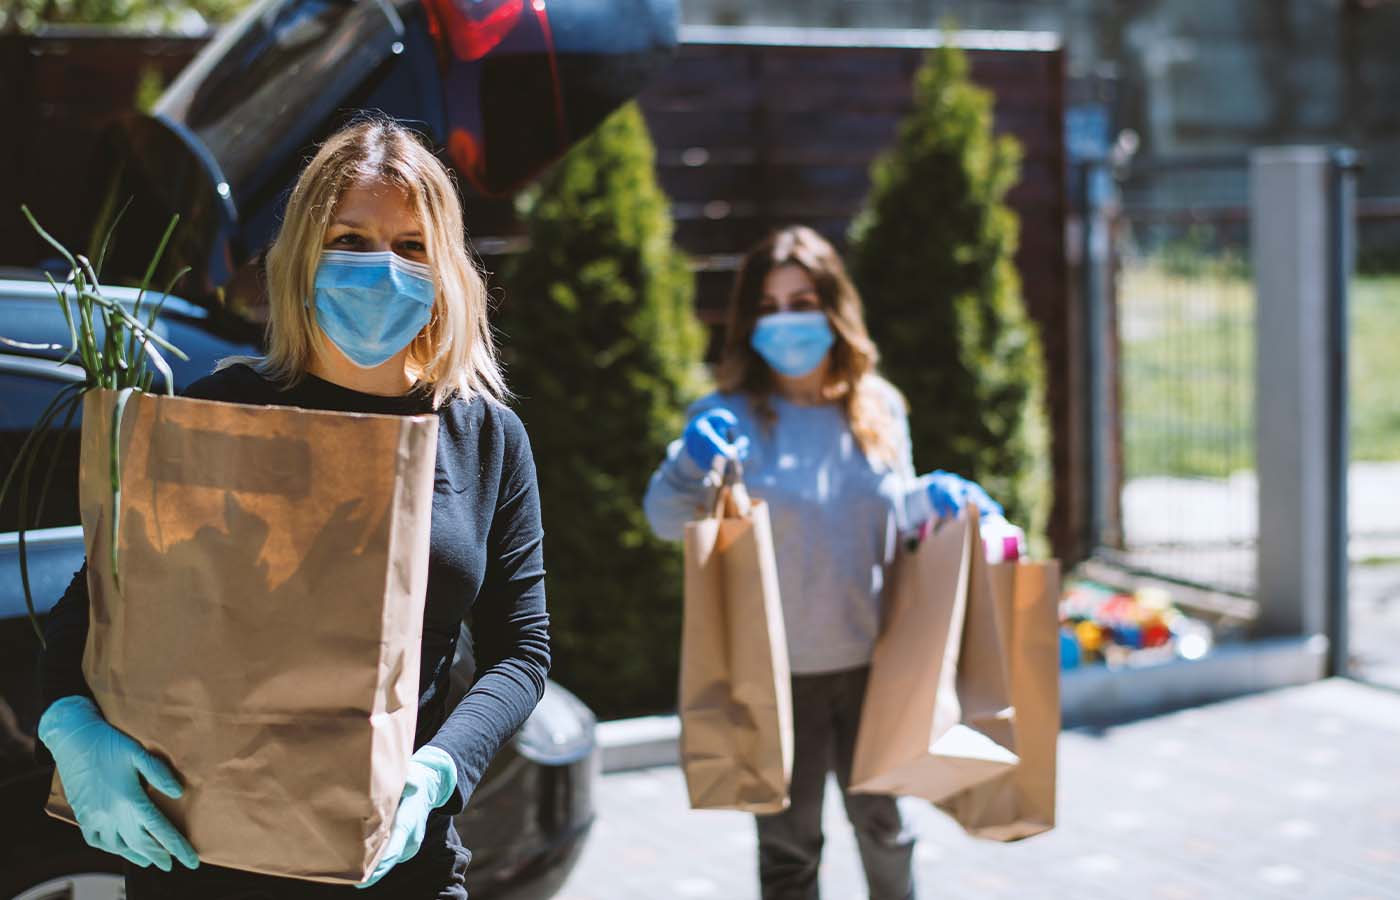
column 713, row 435
column 432, row 777
column 949, row 493
column 101, row 769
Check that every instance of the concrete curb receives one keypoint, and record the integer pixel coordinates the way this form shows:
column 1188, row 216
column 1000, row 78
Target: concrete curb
column 1090, row 695
column 639, row 743
column 1095, row 694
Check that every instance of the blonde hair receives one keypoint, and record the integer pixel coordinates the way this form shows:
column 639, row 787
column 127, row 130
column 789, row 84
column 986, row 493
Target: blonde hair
column 850, row 377
column 454, row 354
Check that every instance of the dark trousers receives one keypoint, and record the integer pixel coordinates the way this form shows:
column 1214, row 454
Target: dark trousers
column 825, row 718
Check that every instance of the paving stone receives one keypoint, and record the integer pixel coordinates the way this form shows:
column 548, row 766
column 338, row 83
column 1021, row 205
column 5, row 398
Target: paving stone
column 1294, row 793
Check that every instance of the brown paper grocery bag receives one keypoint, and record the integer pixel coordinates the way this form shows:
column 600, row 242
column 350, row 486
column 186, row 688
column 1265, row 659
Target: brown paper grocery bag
column 935, row 720
column 735, row 689
column 1021, row 802
column 265, row 637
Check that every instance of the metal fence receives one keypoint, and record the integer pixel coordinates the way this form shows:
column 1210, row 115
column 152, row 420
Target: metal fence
column 1175, row 485
column 1179, row 468
column 1183, row 333
column 1375, row 382
column 1374, row 468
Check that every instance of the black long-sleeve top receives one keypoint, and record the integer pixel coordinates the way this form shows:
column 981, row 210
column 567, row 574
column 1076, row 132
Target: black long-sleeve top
column 485, row 561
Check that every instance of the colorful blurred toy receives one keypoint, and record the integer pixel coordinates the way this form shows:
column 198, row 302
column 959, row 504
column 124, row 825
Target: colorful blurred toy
column 1100, row 624
column 1070, row 654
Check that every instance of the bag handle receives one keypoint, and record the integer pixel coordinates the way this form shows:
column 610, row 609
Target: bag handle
column 732, row 499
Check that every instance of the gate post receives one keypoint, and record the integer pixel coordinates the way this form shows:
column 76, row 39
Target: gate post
column 1301, row 215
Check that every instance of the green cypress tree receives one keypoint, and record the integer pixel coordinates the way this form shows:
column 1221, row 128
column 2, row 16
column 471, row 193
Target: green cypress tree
column 604, row 354
column 932, row 254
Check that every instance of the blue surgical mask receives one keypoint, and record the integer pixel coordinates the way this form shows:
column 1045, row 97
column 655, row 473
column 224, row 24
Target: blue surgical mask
column 372, row 305
column 793, row 343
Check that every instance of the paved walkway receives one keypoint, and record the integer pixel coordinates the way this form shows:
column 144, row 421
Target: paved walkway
column 1375, row 623
column 1295, row 793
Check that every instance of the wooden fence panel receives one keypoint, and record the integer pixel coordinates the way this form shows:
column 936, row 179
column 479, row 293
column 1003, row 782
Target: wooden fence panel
column 748, row 136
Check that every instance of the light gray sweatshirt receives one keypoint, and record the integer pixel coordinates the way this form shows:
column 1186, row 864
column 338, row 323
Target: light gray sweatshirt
column 834, row 518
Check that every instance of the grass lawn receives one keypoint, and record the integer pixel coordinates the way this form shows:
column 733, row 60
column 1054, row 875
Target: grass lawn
column 1375, row 368
column 1188, row 371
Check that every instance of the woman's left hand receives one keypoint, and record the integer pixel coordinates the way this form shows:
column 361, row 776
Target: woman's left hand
column 949, row 493
column 432, row 777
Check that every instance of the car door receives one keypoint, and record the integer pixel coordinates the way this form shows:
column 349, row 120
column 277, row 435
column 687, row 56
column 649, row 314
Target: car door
column 39, row 857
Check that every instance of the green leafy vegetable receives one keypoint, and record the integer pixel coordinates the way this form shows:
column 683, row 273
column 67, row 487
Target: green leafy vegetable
column 116, row 361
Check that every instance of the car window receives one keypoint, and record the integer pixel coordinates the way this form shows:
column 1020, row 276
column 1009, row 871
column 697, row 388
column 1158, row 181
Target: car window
column 263, row 86
column 26, row 388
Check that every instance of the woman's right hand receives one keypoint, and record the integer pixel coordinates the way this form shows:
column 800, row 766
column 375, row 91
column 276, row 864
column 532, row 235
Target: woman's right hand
column 101, row 770
column 714, row 435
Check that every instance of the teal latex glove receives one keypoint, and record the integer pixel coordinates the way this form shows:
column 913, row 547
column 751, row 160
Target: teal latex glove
column 432, row 777
column 101, row 769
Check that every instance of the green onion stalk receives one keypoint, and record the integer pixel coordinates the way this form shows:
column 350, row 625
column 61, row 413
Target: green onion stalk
column 120, row 361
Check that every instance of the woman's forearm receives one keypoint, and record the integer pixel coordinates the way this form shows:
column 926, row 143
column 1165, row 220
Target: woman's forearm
column 677, row 489
column 65, row 637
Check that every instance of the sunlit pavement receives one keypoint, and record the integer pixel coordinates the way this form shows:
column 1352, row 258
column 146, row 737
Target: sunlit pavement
column 1294, row 793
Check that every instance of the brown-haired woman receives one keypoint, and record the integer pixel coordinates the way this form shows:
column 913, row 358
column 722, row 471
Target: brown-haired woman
column 825, row 442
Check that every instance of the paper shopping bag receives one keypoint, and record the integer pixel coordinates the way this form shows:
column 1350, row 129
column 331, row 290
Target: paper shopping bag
column 1021, row 802
column 263, row 635
column 735, row 689
column 937, row 708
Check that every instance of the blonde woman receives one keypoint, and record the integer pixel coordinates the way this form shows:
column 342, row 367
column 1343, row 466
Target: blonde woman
column 375, row 306
column 825, row 442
